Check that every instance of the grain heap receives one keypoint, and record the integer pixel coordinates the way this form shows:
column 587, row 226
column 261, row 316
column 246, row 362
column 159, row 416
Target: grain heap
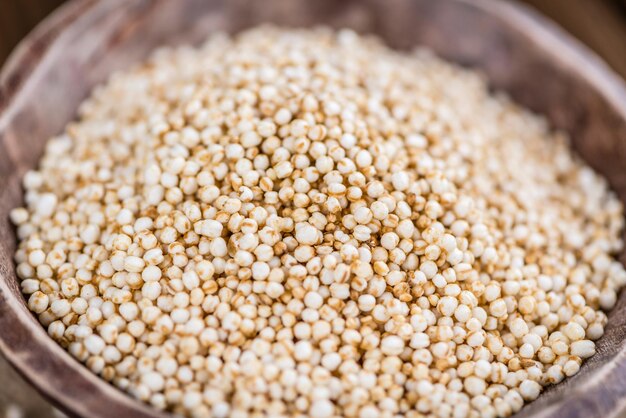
column 307, row 223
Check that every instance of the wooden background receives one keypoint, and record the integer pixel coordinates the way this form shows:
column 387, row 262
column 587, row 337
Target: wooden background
column 601, row 24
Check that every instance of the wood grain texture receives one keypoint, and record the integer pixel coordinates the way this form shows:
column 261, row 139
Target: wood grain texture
column 17, row 395
column 600, row 24
column 18, row 17
column 76, row 48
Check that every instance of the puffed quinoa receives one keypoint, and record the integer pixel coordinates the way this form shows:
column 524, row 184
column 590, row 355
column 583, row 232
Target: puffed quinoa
column 307, row 223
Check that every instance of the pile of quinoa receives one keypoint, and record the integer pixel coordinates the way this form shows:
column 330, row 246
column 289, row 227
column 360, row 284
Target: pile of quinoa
column 308, row 223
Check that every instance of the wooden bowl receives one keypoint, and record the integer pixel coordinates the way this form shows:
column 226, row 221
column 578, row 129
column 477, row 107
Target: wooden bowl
column 56, row 66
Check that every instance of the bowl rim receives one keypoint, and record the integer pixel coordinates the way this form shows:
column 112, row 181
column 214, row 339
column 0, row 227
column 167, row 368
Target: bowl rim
column 25, row 62
column 28, row 60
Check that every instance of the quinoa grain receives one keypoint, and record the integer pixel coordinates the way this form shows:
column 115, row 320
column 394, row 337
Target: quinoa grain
column 304, row 222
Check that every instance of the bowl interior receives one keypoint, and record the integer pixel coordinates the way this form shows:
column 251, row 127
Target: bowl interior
column 57, row 65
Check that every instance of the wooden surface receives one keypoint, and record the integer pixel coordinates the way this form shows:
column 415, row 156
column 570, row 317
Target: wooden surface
column 601, row 24
column 18, row 17
column 596, row 114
